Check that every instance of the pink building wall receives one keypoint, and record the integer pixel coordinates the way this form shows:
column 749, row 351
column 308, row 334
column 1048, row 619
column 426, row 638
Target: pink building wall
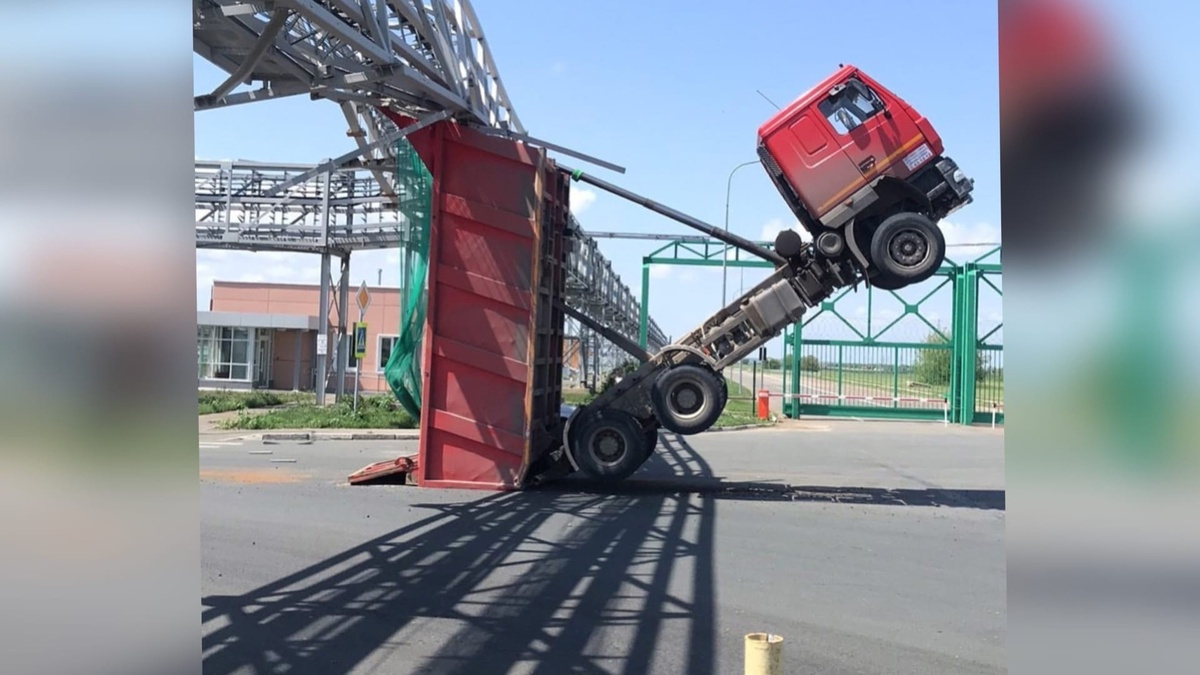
column 382, row 317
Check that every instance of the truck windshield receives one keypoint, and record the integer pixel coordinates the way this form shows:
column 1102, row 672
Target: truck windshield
column 848, row 109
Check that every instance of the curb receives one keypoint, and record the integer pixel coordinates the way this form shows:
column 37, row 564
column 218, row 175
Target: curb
column 744, row 427
column 337, row 436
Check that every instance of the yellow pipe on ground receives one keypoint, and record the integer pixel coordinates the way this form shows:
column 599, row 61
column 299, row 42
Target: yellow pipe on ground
column 764, row 652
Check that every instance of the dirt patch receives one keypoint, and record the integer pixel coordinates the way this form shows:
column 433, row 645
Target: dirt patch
column 252, row 476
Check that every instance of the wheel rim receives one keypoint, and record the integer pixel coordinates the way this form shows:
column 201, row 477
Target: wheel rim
column 908, row 248
column 687, row 399
column 608, row 446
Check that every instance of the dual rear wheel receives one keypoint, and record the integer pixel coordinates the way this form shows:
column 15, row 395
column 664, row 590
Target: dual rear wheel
column 611, row 443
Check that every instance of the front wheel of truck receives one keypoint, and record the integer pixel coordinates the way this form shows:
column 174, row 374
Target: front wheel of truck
column 687, row 399
column 908, row 247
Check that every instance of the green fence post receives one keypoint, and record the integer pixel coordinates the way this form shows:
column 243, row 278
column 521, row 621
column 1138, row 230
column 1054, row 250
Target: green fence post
column 841, row 361
column 955, row 394
column 795, row 389
column 783, row 369
column 970, row 342
column 644, row 313
column 895, row 376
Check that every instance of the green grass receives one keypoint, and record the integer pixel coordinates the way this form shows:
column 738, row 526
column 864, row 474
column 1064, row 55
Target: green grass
column 374, row 412
column 224, row 401
column 577, row 397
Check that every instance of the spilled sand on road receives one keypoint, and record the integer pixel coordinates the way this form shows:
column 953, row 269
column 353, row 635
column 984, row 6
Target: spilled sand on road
column 252, row 476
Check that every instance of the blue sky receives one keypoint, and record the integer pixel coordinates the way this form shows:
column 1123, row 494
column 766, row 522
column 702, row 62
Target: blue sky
column 670, row 94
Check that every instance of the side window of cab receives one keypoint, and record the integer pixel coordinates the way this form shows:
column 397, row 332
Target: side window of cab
column 849, row 105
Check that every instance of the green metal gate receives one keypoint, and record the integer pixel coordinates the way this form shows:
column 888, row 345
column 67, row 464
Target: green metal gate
column 885, row 354
column 842, row 367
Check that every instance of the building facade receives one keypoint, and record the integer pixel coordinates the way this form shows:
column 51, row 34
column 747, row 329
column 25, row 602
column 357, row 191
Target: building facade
column 264, row 336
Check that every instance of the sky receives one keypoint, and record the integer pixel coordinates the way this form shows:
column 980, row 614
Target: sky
column 672, row 95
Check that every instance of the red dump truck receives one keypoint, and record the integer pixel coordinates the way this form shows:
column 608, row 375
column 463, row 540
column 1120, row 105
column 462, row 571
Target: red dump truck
column 865, row 174
column 867, row 178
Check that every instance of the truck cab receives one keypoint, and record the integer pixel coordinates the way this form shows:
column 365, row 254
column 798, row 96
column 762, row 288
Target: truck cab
column 866, row 176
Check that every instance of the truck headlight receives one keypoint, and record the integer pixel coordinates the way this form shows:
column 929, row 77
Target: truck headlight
column 959, row 176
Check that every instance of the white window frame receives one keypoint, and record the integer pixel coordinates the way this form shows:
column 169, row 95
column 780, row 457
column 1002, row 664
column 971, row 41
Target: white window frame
column 212, row 335
column 379, row 368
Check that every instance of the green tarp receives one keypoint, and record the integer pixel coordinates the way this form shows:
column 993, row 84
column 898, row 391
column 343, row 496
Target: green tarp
column 415, row 185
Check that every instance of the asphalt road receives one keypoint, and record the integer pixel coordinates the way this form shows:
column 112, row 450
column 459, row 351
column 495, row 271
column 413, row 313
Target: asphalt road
column 872, row 547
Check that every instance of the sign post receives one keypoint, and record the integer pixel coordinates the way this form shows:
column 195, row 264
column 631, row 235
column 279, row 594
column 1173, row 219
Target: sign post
column 363, row 298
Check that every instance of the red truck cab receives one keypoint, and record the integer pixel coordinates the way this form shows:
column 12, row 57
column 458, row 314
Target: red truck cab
column 866, row 175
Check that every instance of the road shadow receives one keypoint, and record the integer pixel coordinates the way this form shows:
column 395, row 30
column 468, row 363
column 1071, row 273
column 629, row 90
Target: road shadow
column 544, row 581
column 660, row 476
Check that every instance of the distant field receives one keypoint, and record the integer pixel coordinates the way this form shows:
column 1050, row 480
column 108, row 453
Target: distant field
column 883, row 383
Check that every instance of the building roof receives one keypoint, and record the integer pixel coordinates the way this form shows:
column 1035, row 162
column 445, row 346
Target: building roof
column 258, row 320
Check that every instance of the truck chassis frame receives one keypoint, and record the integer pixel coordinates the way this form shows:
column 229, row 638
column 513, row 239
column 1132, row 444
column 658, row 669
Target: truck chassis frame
column 802, row 279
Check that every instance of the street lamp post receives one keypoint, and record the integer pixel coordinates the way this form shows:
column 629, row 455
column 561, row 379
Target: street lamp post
column 725, row 252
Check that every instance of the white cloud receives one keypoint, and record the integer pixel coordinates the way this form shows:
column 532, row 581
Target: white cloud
column 774, row 226
column 581, row 199
column 966, row 242
column 660, row 271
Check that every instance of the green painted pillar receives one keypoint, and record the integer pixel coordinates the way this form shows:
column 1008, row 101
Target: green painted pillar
column 794, row 410
column 965, row 354
column 644, row 313
column 958, row 285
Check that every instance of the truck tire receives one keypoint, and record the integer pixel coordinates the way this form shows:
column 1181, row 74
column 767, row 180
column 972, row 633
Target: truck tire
column 651, row 440
column 908, row 247
column 610, row 444
column 887, row 282
column 688, row 399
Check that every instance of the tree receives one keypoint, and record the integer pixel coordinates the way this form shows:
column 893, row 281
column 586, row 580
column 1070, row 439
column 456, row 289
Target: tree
column 810, row 363
column 934, row 366
column 620, row 371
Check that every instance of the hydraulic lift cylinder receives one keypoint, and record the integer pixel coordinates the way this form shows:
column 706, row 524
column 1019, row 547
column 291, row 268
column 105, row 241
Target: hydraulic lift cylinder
column 696, row 224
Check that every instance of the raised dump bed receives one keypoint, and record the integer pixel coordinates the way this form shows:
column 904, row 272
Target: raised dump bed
column 492, row 347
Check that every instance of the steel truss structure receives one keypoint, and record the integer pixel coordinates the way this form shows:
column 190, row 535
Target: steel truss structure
column 427, row 60
column 421, row 59
column 334, row 212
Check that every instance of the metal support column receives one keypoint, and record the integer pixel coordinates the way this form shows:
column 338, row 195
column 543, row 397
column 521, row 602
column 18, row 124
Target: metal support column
column 644, row 314
column 323, row 326
column 584, row 351
column 343, row 337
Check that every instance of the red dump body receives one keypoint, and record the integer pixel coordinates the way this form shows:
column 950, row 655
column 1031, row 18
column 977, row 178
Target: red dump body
column 492, row 352
column 828, row 147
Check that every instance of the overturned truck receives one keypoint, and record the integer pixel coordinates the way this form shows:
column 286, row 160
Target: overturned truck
column 864, row 173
